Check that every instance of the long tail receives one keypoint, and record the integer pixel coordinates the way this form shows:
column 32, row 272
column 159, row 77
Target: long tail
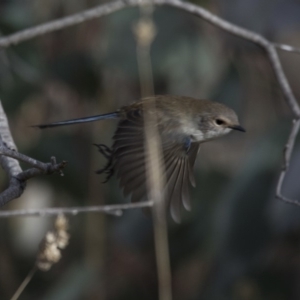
column 113, row 115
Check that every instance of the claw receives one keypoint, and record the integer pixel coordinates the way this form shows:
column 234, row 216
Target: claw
column 108, row 154
column 104, row 150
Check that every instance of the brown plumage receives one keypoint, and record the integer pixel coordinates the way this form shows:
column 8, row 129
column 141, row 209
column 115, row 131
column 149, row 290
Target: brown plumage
column 182, row 124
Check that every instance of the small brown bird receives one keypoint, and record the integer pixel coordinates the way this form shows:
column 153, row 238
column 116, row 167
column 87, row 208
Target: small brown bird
column 183, row 123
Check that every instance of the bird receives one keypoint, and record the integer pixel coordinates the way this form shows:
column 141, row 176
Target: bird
column 183, row 124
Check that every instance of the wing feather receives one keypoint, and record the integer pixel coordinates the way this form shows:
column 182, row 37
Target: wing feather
column 185, row 194
column 174, row 187
column 192, row 158
column 129, row 164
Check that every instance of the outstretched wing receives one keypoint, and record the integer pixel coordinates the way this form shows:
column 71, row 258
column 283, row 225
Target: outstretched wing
column 129, row 164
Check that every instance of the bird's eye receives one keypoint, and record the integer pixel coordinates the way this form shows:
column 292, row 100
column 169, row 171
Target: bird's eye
column 219, row 122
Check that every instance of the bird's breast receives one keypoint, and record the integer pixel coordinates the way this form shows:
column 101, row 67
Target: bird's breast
column 179, row 129
column 189, row 129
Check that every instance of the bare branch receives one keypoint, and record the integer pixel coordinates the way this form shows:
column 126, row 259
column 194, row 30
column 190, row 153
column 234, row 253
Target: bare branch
column 9, row 159
column 114, row 6
column 46, row 168
column 14, row 190
column 17, row 182
column 10, row 166
column 116, row 209
column 65, row 22
column 286, row 161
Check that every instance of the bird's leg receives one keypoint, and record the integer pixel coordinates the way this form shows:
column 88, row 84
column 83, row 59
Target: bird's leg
column 108, row 154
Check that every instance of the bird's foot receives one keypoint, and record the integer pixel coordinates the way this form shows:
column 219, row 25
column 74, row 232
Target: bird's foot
column 108, row 154
column 104, row 150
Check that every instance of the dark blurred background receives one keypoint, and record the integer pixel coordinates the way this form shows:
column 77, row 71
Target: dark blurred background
column 239, row 242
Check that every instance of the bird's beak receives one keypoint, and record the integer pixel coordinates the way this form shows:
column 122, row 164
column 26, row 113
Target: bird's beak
column 237, row 127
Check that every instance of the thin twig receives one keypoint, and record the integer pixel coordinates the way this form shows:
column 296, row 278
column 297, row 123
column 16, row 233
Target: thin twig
column 24, row 283
column 18, row 178
column 114, row 6
column 4, row 150
column 145, row 32
column 49, row 253
column 286, row 161
column 115, row 209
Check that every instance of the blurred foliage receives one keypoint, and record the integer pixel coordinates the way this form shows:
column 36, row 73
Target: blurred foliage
column 238, row 242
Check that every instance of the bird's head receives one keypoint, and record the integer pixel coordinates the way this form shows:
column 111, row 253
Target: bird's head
column 215, row 120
